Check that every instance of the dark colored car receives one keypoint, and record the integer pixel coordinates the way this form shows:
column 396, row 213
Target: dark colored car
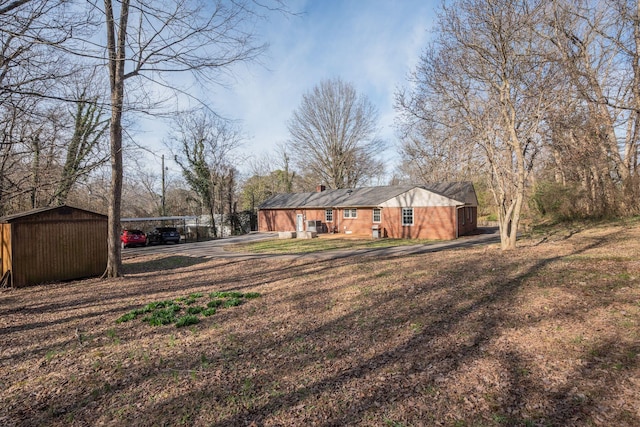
column 130, row 238
column 163, row 235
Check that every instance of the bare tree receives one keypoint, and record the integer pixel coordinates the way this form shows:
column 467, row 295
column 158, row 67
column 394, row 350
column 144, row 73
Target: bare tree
column 431, row 149
column 152, row 40
column 32, row 32
column 33, row 75
column 596, row 137
column 84, row 149
column 268, row 176
column 487, row 69
column 333, row 136
column 204, row 142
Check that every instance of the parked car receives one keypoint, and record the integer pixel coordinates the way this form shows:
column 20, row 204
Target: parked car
column 130, row 238
column 161, row 235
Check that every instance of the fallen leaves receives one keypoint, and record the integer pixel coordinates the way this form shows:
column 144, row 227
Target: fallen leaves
column 544, row 335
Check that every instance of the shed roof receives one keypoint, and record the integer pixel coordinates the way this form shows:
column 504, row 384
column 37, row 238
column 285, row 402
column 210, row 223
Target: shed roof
column 461, row 192
column 34, row 212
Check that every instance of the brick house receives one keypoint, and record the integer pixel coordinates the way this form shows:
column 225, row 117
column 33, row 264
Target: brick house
column 440, row 211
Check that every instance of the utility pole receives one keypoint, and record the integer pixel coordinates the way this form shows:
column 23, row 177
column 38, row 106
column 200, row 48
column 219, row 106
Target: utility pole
column 164, row 209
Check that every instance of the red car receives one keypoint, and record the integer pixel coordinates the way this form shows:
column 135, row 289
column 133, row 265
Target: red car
column 132, row 238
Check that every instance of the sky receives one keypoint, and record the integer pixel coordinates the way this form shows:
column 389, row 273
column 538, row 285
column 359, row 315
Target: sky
column 372, row 44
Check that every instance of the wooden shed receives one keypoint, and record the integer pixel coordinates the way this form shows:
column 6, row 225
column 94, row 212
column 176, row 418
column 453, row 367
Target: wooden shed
column 52, row 244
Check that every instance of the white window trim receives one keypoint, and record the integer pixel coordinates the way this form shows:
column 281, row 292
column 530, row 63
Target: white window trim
column 402, row 217
column 326, row 217
column 346, row 213
column 373, row 215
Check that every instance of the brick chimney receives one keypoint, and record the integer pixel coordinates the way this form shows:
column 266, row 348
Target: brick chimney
column 320, row 188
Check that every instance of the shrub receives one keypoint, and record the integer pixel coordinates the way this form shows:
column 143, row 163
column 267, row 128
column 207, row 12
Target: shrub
column 164, row 312
column 195, row 310
column 161, row 317
column 126, row 317
column 251, row 295
column 226, row 294
column 556, row 201
column 187, row 320
column 215, row 303
column 232, row 302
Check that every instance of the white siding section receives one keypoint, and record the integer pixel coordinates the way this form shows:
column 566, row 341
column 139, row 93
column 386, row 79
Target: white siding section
column 419, row 197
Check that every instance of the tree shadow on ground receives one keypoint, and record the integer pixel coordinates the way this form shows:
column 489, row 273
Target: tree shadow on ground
column 454, row 326
column 161, row 264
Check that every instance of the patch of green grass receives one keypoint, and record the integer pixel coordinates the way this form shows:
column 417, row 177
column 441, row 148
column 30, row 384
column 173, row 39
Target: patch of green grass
column 127, row 317
column 500, row 419
column 165, row 312
column 624, row 276
column 215, row 303
column 416, row 328
column 156, row 305
column 187, row 320
column 209, row 312
column 252, row 295
column 111, row 333
column 228, row 294
column 204, row 361
column 291, row 246
column 161, row 317
column 232, row 302
column 195, row 310
column 577, row 339
column 50, row 355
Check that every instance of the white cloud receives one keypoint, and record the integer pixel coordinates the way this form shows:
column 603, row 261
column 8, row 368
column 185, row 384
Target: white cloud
column 372, row 44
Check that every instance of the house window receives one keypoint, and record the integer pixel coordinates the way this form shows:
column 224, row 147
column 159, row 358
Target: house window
column 469, row 211
column 328, row 215
column 407, row 216
column 464, row 210
column 377, row 214
column 350, row 213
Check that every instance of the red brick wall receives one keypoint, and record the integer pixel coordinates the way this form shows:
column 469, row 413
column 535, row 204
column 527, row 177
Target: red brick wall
column 360, row 225
column 437, row 223
column 285, row 219
column 428, row 223
column 277, row 220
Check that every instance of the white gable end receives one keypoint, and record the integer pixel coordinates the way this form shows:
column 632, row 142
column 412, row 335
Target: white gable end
column 419, row 197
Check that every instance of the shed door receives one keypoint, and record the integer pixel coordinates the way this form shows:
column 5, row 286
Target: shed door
column 299, row 222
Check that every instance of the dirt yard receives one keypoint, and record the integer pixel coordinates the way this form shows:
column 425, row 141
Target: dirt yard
column 546, row 335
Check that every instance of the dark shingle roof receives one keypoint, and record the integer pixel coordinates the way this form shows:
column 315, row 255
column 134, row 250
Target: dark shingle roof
column 461, row 191
column 365, row 196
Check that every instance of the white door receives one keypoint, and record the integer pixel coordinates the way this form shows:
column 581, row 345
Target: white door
column 300, row 222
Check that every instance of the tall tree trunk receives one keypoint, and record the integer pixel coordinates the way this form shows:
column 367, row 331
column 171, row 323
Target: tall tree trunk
column 35, row 167
column 116, row 49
